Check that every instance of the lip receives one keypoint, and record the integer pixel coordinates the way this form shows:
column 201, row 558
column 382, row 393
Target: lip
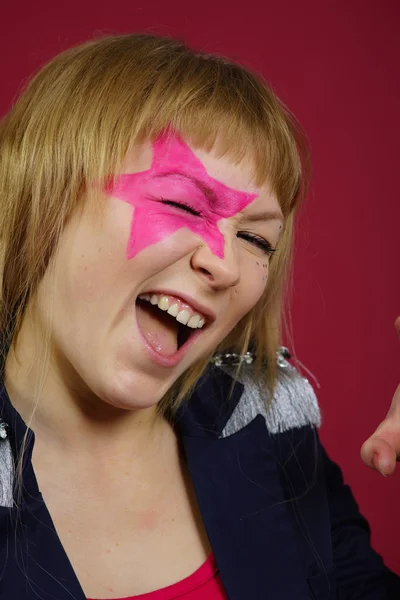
column 192, row 303
column 174, row 359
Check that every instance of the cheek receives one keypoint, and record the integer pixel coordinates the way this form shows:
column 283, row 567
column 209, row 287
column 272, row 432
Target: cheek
column 91, row 272
column 90, row 292
column 252, row 285
column 255, row 276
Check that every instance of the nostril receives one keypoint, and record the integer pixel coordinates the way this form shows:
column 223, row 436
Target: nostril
column 205, row 271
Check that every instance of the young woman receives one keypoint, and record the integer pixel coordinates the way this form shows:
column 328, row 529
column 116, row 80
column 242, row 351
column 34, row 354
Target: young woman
column 156, row 442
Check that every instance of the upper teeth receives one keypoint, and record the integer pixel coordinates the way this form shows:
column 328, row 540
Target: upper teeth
column 174, row 307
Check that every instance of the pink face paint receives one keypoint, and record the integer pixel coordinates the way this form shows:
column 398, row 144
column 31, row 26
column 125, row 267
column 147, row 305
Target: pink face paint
column 177, row 175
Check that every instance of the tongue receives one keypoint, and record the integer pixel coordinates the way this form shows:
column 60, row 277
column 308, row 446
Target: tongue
column 158, row 327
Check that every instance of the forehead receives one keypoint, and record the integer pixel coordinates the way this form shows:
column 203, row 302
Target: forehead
column 166, row 154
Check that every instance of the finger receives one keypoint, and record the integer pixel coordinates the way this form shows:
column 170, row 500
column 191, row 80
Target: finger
column 397, row 325
column 394, row 415
column 377, row 453
column 381, row 450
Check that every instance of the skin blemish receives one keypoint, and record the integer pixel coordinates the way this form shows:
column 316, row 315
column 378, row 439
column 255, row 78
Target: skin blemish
column 177, row 176
column 149, row 520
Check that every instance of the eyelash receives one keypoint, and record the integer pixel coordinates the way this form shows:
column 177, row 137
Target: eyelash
column 257, row 240
column 186, row 207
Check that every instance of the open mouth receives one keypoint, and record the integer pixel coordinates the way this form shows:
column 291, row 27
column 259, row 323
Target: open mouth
column 166, row 322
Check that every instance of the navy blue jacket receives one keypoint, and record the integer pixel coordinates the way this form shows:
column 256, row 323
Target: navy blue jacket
column 281, row 522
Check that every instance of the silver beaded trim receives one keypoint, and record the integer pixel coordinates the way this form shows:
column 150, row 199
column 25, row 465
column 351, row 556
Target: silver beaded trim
column 231, row 359
column 3, row 430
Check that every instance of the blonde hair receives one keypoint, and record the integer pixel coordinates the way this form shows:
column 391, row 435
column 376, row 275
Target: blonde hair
column 73, row 125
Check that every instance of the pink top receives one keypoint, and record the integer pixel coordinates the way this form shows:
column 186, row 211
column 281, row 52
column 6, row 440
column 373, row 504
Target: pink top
column 203, row 583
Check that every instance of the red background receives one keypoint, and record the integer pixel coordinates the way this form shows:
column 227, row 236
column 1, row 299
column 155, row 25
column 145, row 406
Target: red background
column 336, row 64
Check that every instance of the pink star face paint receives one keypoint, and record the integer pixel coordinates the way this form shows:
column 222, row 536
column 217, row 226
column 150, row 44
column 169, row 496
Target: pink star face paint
column 177, row 176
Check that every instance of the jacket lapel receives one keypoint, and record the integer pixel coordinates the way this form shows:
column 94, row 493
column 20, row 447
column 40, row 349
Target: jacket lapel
column 241, row 498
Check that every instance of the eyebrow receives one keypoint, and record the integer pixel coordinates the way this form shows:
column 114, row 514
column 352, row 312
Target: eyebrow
column 264, row 216
column 202, row 187
column 210, row 194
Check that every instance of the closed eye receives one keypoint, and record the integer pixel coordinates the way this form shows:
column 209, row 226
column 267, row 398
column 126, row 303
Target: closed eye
column 254, row 239
column 258, row 241
column 180, row 205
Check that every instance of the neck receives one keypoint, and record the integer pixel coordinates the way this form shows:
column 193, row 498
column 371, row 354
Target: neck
column 67, row 417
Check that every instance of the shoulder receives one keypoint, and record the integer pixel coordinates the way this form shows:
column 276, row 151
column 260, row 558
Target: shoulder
column 293, row 405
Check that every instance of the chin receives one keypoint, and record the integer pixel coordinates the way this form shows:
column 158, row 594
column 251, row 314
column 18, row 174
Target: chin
column 131, row 390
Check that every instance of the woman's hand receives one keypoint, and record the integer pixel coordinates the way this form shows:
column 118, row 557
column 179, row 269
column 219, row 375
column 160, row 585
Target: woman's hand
column 382, row 449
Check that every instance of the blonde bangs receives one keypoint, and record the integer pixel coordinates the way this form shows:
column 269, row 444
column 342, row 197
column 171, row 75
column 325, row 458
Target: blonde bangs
column 98, row 98
column 207, row 99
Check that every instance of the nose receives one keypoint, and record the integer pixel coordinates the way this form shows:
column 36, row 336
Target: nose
column 220, row 273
